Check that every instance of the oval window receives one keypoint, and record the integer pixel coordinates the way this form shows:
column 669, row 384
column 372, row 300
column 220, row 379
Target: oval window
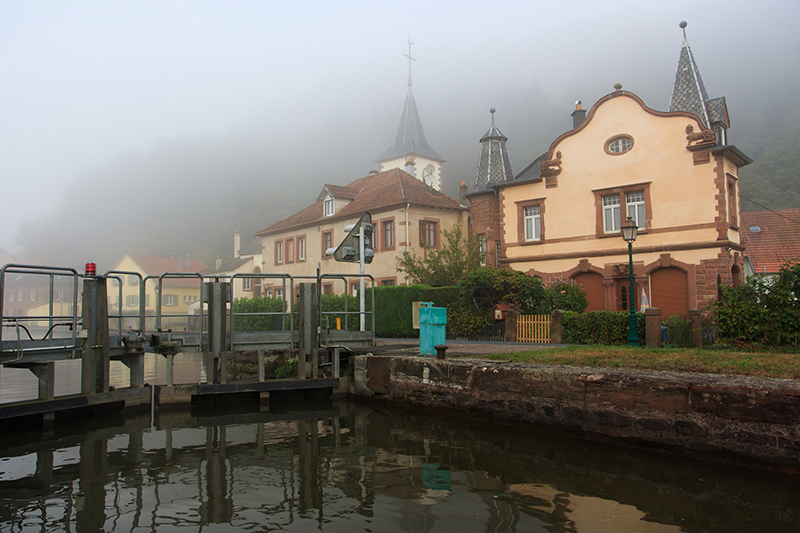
column 619, row 145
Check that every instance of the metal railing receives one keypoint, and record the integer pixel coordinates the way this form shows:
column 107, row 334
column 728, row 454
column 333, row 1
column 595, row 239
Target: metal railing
column 330, row 335
column 116, row 275
column 238, row 338
column 53, row 320
column 132, row 335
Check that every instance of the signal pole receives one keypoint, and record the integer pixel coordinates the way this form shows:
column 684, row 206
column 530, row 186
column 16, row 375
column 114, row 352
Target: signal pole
column 362, row 309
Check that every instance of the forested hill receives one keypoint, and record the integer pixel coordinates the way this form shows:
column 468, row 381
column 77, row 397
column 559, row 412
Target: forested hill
column 772, row 181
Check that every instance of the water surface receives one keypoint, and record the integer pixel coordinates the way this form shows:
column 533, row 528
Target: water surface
column 353, row 467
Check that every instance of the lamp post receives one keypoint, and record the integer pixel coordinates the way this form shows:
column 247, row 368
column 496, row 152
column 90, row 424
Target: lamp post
column 629, row 230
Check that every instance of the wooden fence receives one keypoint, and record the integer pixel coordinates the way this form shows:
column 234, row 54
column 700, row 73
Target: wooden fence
column 533, row 328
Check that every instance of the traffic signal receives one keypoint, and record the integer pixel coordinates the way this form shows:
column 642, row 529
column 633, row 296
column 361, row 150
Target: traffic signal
column 347, row 251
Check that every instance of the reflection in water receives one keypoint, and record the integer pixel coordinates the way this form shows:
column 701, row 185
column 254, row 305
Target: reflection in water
column 345, row 467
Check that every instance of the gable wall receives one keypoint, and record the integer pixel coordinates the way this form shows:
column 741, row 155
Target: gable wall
column 687, row 215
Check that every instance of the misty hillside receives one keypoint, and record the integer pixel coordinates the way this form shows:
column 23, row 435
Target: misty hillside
column 189, row 196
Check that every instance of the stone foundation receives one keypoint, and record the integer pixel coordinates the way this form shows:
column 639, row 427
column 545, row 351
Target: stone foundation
column 749, row 420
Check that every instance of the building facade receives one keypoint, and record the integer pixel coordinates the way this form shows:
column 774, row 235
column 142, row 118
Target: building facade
column 177, row 293
column 409, row 212
column 671, row 172
column 246, row 260
column 407, row 215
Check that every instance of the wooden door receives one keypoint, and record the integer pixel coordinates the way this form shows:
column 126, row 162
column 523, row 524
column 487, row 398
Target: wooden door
column 592, row 283
column 669, row 288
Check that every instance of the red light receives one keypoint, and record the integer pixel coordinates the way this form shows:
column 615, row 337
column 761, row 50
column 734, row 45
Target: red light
column 91, row 268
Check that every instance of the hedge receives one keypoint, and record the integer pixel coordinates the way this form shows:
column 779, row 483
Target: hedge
column 258, row 305
column 600, row 327
column 394, row 305
column 762, row 311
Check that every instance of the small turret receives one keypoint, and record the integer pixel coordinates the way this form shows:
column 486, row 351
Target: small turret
column 689, row 94
column 494, row 165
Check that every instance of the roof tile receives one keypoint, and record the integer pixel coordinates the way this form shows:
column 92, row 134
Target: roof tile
column 155, row 266
column 772, row 238
column 377, row 191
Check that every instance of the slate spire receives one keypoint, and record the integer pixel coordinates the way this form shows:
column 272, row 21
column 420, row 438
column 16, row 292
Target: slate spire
column 689, row 93
column 410, row 137
column 494, row 165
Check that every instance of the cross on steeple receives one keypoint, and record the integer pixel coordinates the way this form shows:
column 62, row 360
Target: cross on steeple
column 410, row 59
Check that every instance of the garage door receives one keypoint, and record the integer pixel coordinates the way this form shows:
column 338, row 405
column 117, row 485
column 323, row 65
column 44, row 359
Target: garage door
column 593, row 285
column 669, row 289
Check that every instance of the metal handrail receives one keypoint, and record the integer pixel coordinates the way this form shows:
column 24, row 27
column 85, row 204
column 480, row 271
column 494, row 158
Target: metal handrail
column 121, row 303
column 51, row 272
column 347, row 313
column 287, row 298
column 160, row 293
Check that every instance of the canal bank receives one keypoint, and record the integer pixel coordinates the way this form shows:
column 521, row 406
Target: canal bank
column 724, row 418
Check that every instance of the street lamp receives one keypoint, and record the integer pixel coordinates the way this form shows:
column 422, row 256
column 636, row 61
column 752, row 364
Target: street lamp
column 629, row 230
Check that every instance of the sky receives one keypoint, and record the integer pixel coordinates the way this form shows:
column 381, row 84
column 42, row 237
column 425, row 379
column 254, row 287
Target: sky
column 85, row 82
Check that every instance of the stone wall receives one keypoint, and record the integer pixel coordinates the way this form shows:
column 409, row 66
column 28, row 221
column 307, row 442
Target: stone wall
column 722, row 417
column 710, row 273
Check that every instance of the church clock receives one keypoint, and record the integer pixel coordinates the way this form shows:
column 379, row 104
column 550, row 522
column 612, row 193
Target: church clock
column 428, row 175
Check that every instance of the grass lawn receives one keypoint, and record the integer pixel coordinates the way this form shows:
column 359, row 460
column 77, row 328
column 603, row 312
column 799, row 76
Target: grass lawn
column 717, row 361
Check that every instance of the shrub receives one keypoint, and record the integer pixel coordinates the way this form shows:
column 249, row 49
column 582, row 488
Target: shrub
column 464, row 322
column 485, row 287
column 762, row 311
column 566, row 295
column 394, row 305
column 338, row 304
column 260, row 321
column 600, row 327
column 678, row 331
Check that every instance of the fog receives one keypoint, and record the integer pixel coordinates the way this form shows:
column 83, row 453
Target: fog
column 158, row 127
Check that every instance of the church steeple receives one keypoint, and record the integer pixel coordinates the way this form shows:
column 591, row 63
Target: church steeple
column 689, row 93
column 410, row 149
column 494, row 165
column 410, row 139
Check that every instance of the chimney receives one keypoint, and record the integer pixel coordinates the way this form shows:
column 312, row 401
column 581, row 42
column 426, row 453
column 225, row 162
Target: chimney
column 180, row 262
column 462, row 193
column 410, row 166
column 578, row 116
column 188, row 260
column 219, row 263
column 236, row 245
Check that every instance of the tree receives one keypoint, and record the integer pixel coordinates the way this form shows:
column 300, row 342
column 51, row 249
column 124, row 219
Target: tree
column 566, row 295
column 485, row 287
column 445, row 266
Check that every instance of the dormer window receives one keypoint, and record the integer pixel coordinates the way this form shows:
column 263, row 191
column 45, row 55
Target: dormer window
column 329, row 207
